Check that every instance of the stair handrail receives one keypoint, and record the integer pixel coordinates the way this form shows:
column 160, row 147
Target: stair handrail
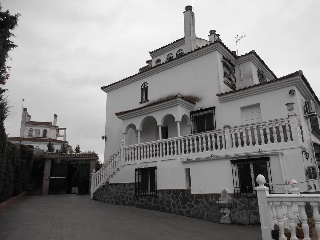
column 105, row 172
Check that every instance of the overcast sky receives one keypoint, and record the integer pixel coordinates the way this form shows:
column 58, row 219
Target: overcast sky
column 67, row 50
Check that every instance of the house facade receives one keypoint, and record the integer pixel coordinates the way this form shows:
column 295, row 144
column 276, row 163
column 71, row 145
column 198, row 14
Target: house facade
column 39, row 134
column 198, row 119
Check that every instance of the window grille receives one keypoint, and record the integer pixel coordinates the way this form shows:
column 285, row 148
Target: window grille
column 179, row 53
column 144, row 92
column 262, row 77
column 314, row 121
column 169, row 57
column 158, row 61
column 229, row 72
column 245, row 173
column 311, row 173
column 203, row 120
column 146, row 181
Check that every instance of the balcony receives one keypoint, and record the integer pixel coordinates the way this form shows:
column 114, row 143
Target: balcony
column 275, row 134
column 225, row 143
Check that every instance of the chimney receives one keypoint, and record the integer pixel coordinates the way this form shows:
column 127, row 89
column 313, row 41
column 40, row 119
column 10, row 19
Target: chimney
column 213, row 36
column 55, row 117
column 189, row 30
column 24, row 119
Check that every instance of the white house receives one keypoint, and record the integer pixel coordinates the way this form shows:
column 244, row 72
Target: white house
column 199, row 119
column 39, row 134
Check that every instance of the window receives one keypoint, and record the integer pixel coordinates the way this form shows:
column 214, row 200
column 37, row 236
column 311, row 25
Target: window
column 229, row 73
column 30, row 132
column 245, row 173
column 251, row 114
column 179, row 53
column 169, row 57
column 37, row 132
column 158, row 61
column 144, row 92
column 311, row 173
column 44, row 134
column 164, row 132
column 203, row 120
column 188, row 178
column 146, row 181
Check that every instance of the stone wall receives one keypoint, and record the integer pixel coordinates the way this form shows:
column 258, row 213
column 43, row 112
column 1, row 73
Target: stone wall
column 180, row 202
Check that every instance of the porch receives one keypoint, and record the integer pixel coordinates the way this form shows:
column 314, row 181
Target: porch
column 246, row 140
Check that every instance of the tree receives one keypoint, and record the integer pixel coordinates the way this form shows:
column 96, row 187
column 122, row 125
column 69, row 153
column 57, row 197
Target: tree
column 63, row 148
column 50, row 147
column 7, row 23
column 77, row 149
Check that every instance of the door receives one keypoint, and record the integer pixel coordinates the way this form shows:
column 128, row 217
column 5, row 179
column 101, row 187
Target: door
column 58, row 179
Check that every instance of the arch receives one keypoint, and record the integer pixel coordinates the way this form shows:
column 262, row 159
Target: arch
column 185, row 125
column 131, row 135
column 30, row 132
column 149, row 129
column 179, row 53
column 144, row 92
column 169, row 57
column 169, row 127
column 131, row 125
column 44, row 134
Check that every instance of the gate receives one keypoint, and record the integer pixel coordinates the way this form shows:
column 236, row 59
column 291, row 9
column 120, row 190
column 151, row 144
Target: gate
column 69, row 178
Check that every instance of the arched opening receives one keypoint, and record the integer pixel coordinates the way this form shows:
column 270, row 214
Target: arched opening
column 131, row 135
column 169, row 127
column 148, row 129
column 30, row 132
column 44, row 134
column 144, row 92
column 185, row 126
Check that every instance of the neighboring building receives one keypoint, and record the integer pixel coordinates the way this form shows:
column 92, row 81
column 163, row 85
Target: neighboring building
column 199, row 119
column 39, row 134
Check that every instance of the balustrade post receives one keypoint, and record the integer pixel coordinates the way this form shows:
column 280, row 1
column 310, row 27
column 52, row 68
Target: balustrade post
column 92, row 182
column 304, row 220
column 316, row 216
column 122, row 155
column 265, row 218
column 227, row 136
column 292, row 223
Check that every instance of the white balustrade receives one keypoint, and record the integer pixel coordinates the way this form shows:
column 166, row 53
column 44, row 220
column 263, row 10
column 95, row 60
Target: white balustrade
column 286, row 210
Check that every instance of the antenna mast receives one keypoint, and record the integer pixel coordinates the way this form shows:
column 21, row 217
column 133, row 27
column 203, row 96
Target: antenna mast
column 238, row 38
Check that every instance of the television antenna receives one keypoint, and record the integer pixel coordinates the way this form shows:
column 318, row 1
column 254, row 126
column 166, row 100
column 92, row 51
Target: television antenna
column 238, row 39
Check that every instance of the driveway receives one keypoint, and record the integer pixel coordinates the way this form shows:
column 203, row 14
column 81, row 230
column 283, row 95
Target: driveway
column 68, row 217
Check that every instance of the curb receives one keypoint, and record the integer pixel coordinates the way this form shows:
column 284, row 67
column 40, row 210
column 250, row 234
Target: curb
column 11, row 201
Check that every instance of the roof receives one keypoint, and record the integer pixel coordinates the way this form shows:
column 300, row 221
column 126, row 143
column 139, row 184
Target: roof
column 39, row 123
column 157, row 102
column 294, row 74
column 71, row 155
column 173, row 60
column 166, row 45
column 35, row 139
column 254, row 52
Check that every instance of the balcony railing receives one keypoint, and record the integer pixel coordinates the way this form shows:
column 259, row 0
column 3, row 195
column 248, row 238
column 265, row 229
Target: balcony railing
column 264, row 133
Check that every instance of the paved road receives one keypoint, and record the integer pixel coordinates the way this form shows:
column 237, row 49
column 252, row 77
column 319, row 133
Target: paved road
column 72, row 217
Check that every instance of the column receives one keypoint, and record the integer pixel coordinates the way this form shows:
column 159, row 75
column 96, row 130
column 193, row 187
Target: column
column 139, row 134
column 160, row 132
column 46, row 177
column 178, row 128
column 124, row 138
